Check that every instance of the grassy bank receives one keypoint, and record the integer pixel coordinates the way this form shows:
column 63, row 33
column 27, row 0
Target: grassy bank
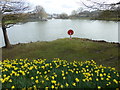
column 70, row 50
column 107, row 19
column 92, row 18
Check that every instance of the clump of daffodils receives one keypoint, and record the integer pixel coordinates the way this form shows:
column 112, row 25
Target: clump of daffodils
column 55, row 74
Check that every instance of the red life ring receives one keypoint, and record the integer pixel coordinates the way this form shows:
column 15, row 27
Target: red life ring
column 70, row 32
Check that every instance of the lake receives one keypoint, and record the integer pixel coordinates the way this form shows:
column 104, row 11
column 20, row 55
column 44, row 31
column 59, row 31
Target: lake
column 57, row 28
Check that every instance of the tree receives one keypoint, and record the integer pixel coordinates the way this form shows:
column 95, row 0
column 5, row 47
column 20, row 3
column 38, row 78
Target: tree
column 109, row 10
column 101, row 5
column 64, row 16
column 40, row 12
column 79, row 10
column 74, row 13
column 10, row 15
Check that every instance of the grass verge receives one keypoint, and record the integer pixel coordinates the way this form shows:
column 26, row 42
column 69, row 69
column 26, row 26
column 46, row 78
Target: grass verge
column 70, row 50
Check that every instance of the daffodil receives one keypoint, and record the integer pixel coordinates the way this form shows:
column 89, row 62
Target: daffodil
column 53, row 81
column 48, row 70
column 47, row 78
column 107, row 79
column 56, row 88
column 10, row 80
column 64, row 77
column 83, row 80
column 101, row 75
column 53, row 77
column 37, row 72
column 66, row 72
column 104, row 74
column 77, row 80
column 63, row 74
column 32, row 78
column 114, row 80
column 52, row 86
column 76, row 72
column 90, row 78
column 109, row 76
column 4, row 75
column 13, row 87
column 36, row 81
column 102, row 78
column 45, row 72
column 97, row 79
column 99, row 87
column 42, row 81
column 66, row 84
column 107, row 84
column 34, row 87
column 3, row 80
column 36, row 77
column 46, row 88
column 74, row 84
column 61, row 86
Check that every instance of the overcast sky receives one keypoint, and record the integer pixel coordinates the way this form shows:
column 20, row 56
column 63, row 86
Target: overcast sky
column 60, row 6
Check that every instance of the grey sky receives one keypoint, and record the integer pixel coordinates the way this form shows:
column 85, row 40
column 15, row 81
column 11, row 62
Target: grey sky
column 60, row 6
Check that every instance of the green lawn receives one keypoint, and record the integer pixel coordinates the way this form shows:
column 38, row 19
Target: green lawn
column 65, row 49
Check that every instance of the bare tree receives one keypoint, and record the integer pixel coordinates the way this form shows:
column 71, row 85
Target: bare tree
column 63, row 16
column 74, row 12
column 8, row 17
column 100, row 5
column 40, row 12
column 79, row 10
column 105, row 8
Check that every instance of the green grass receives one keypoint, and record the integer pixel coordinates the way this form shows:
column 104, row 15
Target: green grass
column 70, row 50
column 107, row 19
column 94, row 18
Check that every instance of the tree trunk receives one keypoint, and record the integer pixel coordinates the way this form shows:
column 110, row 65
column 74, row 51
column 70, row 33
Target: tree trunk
column 7, row 42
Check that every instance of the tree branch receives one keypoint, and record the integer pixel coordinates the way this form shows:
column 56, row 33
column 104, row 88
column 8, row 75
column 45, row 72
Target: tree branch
column 102, row 5
column 92, row 7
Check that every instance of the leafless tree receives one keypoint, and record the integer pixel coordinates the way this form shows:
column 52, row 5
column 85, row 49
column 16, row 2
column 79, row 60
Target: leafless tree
column 100, row 5
column 106, row 8
column 63, row 16
column 74, row 12
column 8, row 17
column 40, row 12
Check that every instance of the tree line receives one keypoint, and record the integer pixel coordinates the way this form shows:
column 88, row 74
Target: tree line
column 98, row 14
column 103, row 10
column 98, row 11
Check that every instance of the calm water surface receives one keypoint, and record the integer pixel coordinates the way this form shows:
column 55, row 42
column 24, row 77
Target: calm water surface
column 55, row 29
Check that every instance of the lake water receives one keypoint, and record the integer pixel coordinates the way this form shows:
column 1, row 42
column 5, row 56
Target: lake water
column 57, row 28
